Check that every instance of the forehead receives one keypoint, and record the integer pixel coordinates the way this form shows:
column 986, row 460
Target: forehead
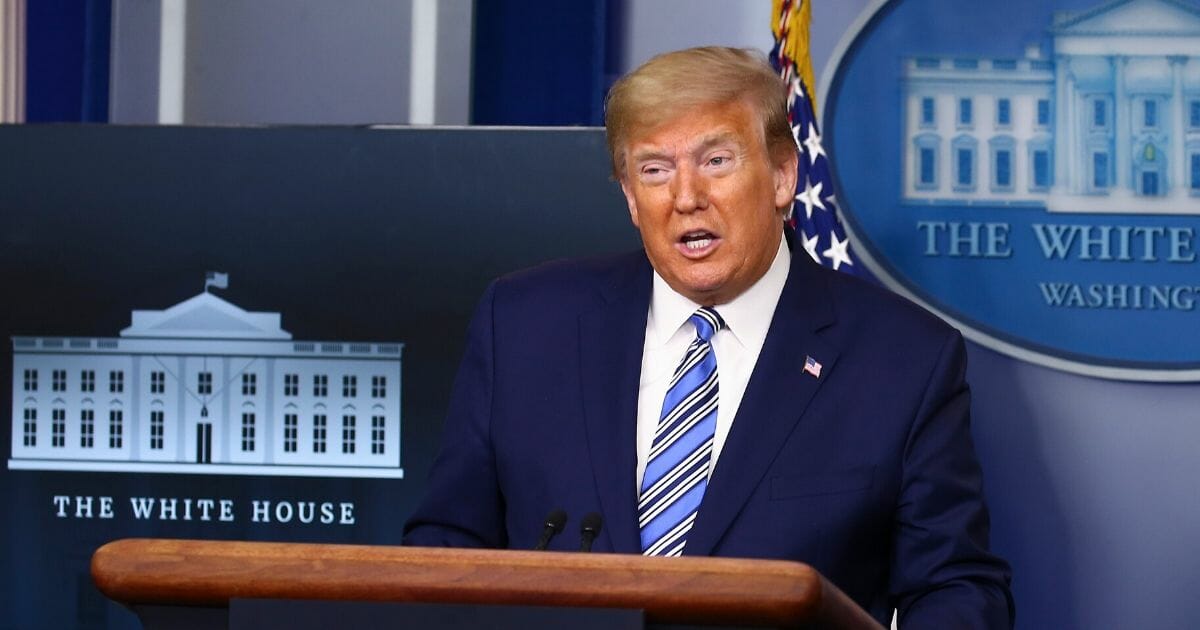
column 697, row 126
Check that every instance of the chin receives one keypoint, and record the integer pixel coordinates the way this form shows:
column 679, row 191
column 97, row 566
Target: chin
column 702, row 292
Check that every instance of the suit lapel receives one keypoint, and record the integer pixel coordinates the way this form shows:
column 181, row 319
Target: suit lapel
column 611, row 342
column 778, row 393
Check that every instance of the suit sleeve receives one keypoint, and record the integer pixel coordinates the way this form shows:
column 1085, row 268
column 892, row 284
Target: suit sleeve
column 943, row 575
column 463, row 506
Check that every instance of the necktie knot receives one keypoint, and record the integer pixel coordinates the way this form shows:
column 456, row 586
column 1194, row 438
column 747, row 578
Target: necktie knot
column 707, row 322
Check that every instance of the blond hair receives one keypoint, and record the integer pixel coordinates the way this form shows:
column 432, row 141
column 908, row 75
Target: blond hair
column 672, row 83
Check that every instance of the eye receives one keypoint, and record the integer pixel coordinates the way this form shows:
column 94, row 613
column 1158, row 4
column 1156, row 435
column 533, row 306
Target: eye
column 653, row 173
column 721, row 160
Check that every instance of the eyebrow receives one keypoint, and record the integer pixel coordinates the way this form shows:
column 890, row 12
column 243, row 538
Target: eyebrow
column 705, row 143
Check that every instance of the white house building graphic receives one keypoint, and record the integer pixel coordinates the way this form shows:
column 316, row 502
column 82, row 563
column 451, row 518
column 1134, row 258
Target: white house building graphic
column 206, row 387
column 1110, row 124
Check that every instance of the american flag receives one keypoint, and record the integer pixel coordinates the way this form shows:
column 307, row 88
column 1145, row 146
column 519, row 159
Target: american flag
column 812, row 367
column 815, row 210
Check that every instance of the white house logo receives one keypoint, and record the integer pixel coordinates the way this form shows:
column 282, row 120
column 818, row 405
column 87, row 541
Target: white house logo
column 206, row 387
column 1043, row 191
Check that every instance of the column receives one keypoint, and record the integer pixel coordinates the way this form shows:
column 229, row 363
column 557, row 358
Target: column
column 231, row 428
column 1062, row 175
column 1076, row 176
column 12, row 61
column 271, row 426
column 1178, row 182
column 135, row 426
column 183, row 426
column 1122, row 159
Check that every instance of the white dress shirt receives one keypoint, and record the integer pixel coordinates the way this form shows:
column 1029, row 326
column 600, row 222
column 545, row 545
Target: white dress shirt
column 668, row 334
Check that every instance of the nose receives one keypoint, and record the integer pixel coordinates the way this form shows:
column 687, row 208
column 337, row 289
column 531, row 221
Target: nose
column 690, row 190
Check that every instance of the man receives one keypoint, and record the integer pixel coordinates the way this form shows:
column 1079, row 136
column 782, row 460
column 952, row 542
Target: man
column 719, row 393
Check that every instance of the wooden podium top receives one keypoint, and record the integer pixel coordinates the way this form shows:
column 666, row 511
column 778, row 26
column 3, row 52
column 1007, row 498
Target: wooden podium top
column 670, row 590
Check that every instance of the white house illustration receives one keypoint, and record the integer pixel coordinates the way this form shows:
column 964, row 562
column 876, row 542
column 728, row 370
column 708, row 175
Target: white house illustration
column 1111, row 124
column 206, row 387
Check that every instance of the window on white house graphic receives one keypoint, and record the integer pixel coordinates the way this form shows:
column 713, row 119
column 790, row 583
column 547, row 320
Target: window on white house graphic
column 349, row 433
column 116, row 381
column 116, row 428
column 157, row 430
column 247, row 432
column 291, row 431
column 928, row 167
column 319, row 433
column 58, row 381
column 377, row 435
column 204, row 383
column 928, row 111
column 1195, row 173
column 1099, row 113
column 31, row 380
column 1002, row 163
column 1043, row 112
column 349, row 386
column 378, row 387
column 1039, row 164
column 1150, row 113
column 30, row 427
column 1003, row 112
column 87, row 428
column 1100, row 170
column 87, row 381
column 1003, row 173
column 965, row 113
column 158, row 382
column 1194, row 114
column 320, row 385
column 964, row 163
column 58, row 428
column 249, row 384
column 926, row 147
column 291, row 384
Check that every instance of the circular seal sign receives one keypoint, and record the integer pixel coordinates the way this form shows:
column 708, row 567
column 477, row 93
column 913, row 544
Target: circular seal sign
column 1030, row 170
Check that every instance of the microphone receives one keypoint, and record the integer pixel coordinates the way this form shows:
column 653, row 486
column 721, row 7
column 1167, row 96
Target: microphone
column 589, row 528
column 555, row 521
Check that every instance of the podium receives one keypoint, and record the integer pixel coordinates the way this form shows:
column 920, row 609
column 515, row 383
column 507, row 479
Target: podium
column 222, row 584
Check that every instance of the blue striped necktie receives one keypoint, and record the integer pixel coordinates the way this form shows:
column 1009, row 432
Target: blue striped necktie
column 677, row 468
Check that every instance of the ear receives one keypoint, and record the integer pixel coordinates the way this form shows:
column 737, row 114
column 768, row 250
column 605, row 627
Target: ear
column 630, row 201
column 785, row 179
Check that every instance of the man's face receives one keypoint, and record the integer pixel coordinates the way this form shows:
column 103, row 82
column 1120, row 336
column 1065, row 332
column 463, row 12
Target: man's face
column 705, row 194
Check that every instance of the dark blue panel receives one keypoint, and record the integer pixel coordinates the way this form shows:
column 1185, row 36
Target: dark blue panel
column 542, row 63
column 350, row 233
column 67, row 50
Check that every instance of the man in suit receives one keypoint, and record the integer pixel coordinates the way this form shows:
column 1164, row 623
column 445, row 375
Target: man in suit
column 718, row 393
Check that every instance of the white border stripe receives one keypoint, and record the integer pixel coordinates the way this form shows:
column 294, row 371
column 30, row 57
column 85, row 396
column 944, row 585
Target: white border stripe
column 278, row 470
column 172, row 51
column 422, row 74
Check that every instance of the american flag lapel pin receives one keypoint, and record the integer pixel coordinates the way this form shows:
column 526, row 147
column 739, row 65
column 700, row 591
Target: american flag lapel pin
column 812, row 367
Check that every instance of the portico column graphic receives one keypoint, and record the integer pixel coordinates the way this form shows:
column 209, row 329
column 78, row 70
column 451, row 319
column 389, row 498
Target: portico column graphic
column 1075, row 138
column 136, row 409
column 1123, row 160
column 1062, row 174
column 181, row 421
column 1178, row 183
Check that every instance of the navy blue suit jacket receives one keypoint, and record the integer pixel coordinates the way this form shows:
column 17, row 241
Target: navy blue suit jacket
column 867, row 473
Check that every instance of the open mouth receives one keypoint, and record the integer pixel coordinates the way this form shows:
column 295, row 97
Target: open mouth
column 696, row 241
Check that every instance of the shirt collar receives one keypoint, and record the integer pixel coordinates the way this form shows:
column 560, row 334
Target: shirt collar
column 748, row 316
